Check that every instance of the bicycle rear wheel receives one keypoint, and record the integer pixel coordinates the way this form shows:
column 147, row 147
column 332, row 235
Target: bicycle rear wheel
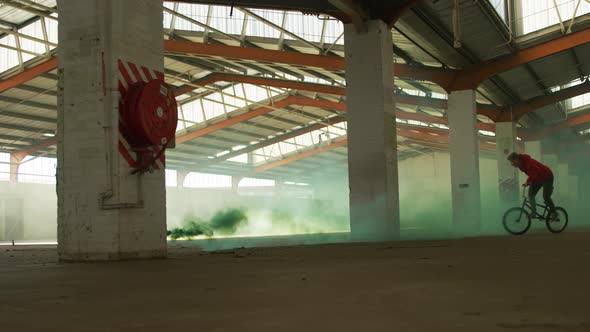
column 516, row 221
column 560, row 223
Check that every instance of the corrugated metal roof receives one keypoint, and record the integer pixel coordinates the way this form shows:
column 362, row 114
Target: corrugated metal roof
column 419, row 38
column 479, row 34
column 18, row 16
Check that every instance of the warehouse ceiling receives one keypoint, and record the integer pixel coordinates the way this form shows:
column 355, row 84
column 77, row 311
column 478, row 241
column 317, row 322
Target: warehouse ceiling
column 262, row 91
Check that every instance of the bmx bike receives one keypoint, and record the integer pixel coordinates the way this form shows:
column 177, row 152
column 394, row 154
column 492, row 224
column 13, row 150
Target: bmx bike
column 517, row 220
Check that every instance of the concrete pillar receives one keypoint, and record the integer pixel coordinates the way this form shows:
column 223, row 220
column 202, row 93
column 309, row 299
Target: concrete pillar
column 104, row 211
column 584, row 196
column 507, row 175
column 180, row 177
column 533, row 149
column 372, row 143
column 573, row 195
column 551, row 161
column 561, row 182
column 279, row 188
column 14, row 166
column 464, row 150
column 235, row 183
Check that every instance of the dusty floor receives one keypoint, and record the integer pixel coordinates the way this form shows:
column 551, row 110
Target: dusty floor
column 530, row 283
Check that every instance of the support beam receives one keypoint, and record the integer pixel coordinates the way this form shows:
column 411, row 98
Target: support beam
column 391, row 16
column 21, row 102
column 276, row 139
column 264, row 81
column 291, row 100
column 302, row 155
column 357, row 13
column 254, row 54
column 29, row 129
column 535, row 103
column 490, row 111
column 471, row 78
column 436, row 137
column 439, row 76
column 28, row 74
column 569, row 123
column 445, row 78
column 425, row 139
column 44, row 144
column 25, row 116
column 485, row 148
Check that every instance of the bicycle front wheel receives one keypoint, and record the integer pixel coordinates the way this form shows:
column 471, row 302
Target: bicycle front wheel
column 558, row 224
column 516, row 221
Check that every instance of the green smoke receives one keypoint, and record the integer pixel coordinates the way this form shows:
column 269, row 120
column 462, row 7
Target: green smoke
column 224, row 222
column 192, row 227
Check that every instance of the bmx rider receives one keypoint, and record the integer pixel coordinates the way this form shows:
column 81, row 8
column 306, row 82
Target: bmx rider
column 539, row 176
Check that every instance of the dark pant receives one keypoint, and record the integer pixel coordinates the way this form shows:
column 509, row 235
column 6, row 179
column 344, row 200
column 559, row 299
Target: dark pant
column 547, row 191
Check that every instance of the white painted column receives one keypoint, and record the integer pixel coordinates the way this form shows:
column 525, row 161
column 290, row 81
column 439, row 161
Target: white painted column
column 464, row 150
column 584, row 194
column 507, row 175
column 279, row 189
column 551, row 161
column 130, row 222
column 561, row 182
column 573, row 195
column 235, row 183
column 533, row 149
column 372, row 149
column 14, row 166
column 180, row 177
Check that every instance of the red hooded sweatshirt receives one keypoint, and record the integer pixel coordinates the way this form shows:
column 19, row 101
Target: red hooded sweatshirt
column 536, row 171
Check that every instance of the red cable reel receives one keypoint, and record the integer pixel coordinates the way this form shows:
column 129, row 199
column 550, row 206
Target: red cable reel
column 150, row 115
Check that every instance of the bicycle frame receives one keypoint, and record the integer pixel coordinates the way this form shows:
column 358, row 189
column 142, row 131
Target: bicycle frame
column 527, row 206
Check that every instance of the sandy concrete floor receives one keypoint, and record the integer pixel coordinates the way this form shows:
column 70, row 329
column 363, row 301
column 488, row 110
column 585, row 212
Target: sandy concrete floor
column 530, row 283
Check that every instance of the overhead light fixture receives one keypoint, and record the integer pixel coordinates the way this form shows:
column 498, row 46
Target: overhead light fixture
column 49, row 135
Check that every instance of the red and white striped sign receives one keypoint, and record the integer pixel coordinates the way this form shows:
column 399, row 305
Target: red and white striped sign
column 130, row 74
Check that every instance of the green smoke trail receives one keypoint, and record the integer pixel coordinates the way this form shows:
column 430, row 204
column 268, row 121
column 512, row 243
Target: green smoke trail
column 224, row 222
column 192, row 227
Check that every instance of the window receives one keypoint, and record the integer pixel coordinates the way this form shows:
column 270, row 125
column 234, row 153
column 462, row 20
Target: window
column 37, row 170
column 538, row 14
column 500, row 7
column 8, row 58
column 253, row 182
column 204, row 180
column 4, row 166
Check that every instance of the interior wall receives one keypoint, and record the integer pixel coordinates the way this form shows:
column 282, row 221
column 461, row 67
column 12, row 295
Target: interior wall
column 425, row 202
column 39, row 206
column 425, row 192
